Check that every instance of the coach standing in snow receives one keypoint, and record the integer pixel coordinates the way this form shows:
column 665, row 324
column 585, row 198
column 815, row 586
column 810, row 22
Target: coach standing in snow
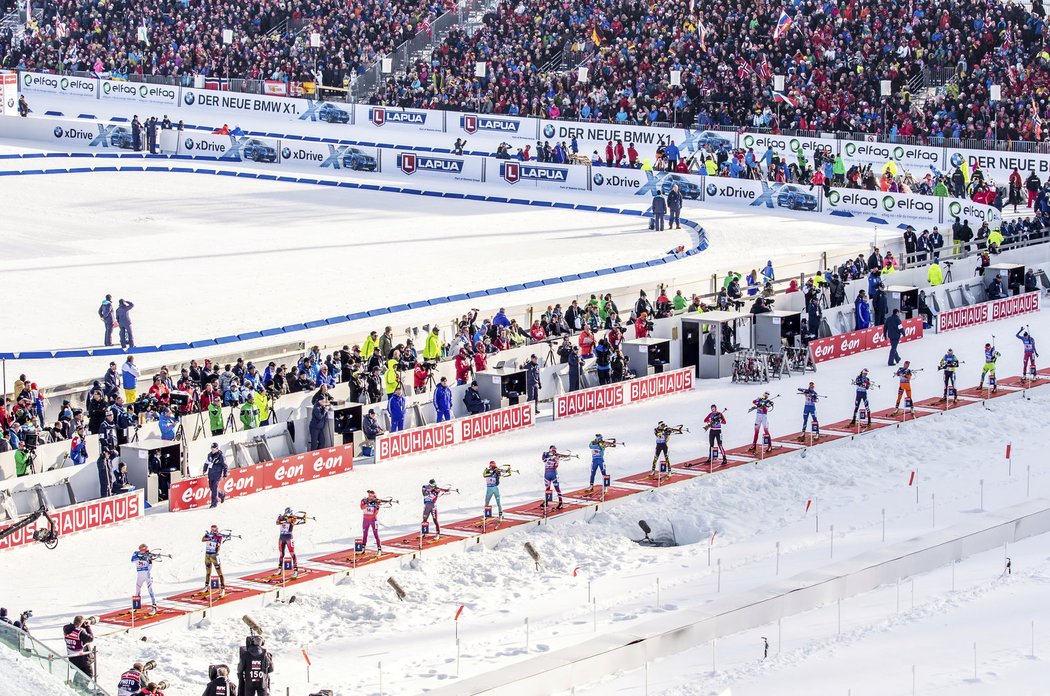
column 124, row 307
column 105, row 313
column 659, row 210
column 674, row 204
column 893, row 331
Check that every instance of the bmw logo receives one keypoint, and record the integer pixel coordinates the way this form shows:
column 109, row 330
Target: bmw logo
column 286, row 152
column 188, row 98
column 957, row 159
column 58, row 132
column 189, row 144
column 598, row 178
column 712, row 189
column 548, row 131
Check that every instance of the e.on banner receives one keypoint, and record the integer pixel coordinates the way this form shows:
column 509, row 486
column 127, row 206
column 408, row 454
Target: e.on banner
column 81, row 518
column 454, row 432
column 609, row 396
column 833, row 347
column 988, row 311
column 194, row 492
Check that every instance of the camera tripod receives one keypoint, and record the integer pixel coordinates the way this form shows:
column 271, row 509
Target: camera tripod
column 551, row 357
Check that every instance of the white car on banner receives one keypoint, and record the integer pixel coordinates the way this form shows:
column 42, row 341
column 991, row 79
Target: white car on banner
column 309, row 153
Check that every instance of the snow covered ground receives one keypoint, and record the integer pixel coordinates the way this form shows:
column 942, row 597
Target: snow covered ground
column 193, row 251
column 352, row 627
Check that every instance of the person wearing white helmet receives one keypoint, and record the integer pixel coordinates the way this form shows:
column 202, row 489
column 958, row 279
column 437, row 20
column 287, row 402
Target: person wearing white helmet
column 761, row 406
column 863, row 383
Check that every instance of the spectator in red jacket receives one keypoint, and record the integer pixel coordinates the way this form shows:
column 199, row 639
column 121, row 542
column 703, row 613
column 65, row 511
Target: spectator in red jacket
column 586, row 341
column 536, row 332
column 462, row 366
column 641, row 325
column 480, row 359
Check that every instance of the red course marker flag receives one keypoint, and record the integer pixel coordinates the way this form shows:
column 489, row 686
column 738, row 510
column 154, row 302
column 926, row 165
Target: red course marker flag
column 575, row 571
column 1007, row 451
column 808, row 503
column 458, row 612
column 911, row 479
column 306, row 657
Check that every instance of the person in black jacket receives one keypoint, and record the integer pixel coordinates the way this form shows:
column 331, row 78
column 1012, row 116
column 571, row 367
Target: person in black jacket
column 105, row 313
column 659, row 210
column 216, row 470
column 532, row 380
column 124, row 307
column 575, row 368
column 254, row 668
column 909, row 244
column 220, row 684
column 879, row 304
column 674, row 205
column 892, row 330
column 79, row 638
column 473, row 401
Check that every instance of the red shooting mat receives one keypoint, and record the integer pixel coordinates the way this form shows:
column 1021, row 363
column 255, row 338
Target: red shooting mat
column 200, row 597
column 348, row 558
column 479, row 525
column 140, row 617
column 273, row 577
column 536, row 510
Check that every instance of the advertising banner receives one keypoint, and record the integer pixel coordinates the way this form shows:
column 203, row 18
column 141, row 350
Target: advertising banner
column 330, row 156
column 530, row 175
column 240, row 102
column 761, row 194
column 510, row 129
column 453, row 432
column 59, row 84
column 896, row 207
column 82, row 517
column 397, row 121
column 194, row 492
column 425, row 165
column 999, row 165
column 852, row 342
column 916, row 159
column 230, row 148
column 608, row 396
column 988, row 311
column 786, row 146
column 140, row 92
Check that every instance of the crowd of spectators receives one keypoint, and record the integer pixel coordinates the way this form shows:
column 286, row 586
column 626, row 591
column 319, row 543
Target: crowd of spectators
column 271, row 40
column 833, row 57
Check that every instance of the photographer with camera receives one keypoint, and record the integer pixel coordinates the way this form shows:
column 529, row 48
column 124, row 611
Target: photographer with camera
column 219, row 684
column 642, row 325
column 79, row 639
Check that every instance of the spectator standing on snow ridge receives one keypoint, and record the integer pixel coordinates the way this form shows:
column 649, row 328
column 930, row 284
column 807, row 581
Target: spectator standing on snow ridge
column 127, row 339
column 105, row 313
column 659, row 210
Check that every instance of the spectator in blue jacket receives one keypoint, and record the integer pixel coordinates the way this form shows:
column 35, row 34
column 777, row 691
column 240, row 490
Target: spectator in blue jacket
column 167, row 424
column 501, row 319
column 863, row 311
column 443, row 400
column 319, row 424
column 672, row 154
column 396, row 408
column 473, row 401
column 130, row 376
column 768, row 273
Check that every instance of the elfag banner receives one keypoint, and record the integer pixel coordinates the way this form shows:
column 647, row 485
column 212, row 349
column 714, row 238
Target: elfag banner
column 608, row 396
column 195, row 492
column 453, row 432
column 853, row 342
column 988, row 311
column 81, row 518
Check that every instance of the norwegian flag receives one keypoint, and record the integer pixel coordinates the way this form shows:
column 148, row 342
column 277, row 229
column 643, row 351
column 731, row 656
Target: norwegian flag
column 763, row 69
column 744, row 69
